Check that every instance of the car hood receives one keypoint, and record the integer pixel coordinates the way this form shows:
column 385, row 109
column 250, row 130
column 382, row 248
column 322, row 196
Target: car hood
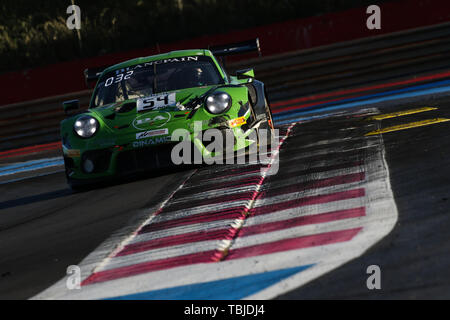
column 123, row 116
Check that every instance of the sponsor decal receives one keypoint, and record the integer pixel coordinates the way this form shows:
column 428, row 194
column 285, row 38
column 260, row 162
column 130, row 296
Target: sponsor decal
column 151, row 133
column 156, row 101
column 156, row 119
column 237, row 122
column 150, row 142
column 151, row 63
column 72, row 153
column 119, row 75
column 118, row 78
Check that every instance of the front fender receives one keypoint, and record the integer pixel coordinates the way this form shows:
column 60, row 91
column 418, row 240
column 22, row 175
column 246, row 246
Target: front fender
column 257, row 97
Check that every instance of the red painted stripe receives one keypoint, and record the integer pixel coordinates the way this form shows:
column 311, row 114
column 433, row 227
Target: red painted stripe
column 236, row 212
column 247, row 181
column 205, row 235
column 200, row 257
column 229, row 233
column 277, row 110
column 306, row 201
column 208, row 256
column 214, row 176
column 314, row 184
column 293, row 243
column 374, row 87
column 242, row 196
column 239, row 212
column 231, row 213
column 253, row 180
column 28, row 150
column 309, row 171
column 300, row 221
column 229, row 173
column 249, row 195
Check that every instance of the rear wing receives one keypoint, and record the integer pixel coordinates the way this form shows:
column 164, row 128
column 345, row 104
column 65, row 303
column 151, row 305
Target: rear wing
column 236, row 48
column 91, row 75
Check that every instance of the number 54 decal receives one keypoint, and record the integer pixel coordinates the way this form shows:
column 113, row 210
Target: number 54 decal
column 155, row 102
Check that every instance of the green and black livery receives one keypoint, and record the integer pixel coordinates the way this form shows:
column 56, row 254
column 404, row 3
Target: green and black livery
column 137, row 105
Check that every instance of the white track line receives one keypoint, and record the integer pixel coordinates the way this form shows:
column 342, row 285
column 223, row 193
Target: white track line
column 380, row 218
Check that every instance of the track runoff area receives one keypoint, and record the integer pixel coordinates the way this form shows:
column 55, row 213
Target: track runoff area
column 312, row 230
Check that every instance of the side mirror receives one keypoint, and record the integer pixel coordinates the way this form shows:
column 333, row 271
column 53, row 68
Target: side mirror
column 70, row 105
column 245, row 74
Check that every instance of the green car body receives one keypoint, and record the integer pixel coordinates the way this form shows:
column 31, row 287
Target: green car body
column 129, row 140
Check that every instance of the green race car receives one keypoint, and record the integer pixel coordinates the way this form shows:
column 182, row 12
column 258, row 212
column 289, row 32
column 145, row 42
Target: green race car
column 139, row 105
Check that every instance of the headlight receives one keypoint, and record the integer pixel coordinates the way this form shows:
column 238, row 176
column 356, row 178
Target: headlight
column 85, row 126
column 218, row 102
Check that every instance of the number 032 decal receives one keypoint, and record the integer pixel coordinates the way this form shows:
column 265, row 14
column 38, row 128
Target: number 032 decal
column 156, row 101
column 118, row 78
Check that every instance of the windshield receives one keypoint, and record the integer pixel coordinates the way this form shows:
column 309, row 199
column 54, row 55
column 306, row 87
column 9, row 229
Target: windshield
column 171, row 74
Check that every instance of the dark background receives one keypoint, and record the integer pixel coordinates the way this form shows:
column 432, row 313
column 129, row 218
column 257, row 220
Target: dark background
column 34, row 33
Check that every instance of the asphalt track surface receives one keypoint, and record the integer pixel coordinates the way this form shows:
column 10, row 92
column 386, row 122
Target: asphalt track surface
column 44, row 227
column 413, row 258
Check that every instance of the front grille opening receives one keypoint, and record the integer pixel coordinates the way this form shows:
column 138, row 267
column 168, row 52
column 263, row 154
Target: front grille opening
column 144, row 159
column 100, row 159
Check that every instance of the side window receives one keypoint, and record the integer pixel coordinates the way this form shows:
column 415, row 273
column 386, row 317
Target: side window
column 99, row 96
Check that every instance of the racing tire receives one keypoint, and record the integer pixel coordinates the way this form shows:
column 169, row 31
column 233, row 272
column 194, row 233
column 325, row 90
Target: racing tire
column 266, row 127
column 79, row 186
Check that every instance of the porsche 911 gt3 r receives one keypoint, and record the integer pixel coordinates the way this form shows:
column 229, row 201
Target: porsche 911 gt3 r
column 137, row 105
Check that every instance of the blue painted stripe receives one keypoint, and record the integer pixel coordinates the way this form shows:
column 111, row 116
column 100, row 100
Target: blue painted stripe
column 316, row 117
column 21, row 164
column 365, row 97
column 296, row 114
column 226, row 289
column 31, row 177
column 30, row 165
